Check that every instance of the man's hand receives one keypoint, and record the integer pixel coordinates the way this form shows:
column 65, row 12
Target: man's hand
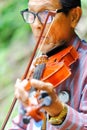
column 20, row 93
column 56, row 106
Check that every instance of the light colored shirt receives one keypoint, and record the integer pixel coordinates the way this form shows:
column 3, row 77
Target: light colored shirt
column 76, row 85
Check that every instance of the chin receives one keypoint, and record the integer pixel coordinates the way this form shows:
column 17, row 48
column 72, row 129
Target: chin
column 44, row 51
column 46, row 47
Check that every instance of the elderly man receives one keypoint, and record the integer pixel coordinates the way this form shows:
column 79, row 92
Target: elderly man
column 68, row 107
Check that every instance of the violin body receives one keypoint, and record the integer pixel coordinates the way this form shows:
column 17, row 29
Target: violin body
column 56, row 73
column 58, row 66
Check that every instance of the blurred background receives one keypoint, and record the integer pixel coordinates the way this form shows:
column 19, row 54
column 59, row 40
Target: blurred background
column 16, row 46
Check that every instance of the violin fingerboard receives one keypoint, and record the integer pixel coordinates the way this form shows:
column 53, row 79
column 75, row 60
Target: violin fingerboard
column 39, row 71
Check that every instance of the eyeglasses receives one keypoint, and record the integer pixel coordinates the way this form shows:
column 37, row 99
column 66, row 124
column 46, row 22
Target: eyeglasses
column 29, row 16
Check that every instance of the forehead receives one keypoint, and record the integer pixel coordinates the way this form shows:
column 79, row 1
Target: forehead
column 43, row 4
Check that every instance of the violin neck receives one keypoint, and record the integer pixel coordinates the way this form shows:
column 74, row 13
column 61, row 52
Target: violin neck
column 39, row 71
column 37, row 74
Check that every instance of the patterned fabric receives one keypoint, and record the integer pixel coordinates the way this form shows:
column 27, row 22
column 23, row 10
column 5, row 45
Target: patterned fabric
column 76, row 84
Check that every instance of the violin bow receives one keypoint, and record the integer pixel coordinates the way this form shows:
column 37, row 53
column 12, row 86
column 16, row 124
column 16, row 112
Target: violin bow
column 27, row 69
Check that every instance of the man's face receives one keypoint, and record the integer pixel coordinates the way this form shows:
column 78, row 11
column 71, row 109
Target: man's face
column 60, row 29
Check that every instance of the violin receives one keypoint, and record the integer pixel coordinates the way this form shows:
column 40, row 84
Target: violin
column 55, row 70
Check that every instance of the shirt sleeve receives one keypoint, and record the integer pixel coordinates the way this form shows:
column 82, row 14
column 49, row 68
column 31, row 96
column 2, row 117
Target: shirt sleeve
column 17, row 123
column 76, row 120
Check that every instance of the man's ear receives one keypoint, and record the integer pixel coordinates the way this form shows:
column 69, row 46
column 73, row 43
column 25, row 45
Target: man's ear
column 75, row 15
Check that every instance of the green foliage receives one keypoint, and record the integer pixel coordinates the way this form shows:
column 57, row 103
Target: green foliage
column 84, row 3
column 11, row 23
column 84, row 7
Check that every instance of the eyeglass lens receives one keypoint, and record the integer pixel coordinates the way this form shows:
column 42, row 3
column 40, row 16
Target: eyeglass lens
column 30, row 16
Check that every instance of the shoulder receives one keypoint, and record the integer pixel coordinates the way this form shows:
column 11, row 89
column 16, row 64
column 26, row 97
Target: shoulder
column 83, row 48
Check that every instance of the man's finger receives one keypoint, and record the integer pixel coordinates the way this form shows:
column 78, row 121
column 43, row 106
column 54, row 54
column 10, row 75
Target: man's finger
column 38, row 84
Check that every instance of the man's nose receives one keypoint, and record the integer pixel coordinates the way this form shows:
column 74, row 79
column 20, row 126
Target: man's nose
column 37, row 23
